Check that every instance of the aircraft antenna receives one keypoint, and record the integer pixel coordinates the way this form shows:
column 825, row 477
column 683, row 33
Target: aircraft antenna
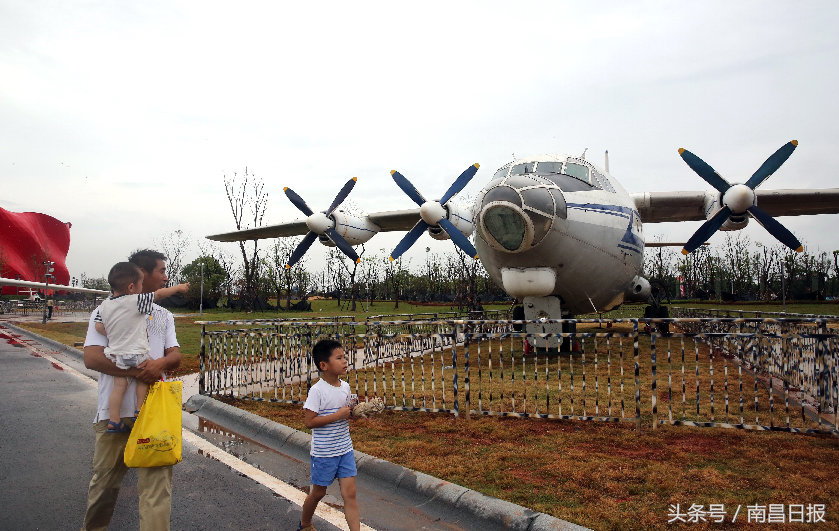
column 583, row 156
column 607, row 161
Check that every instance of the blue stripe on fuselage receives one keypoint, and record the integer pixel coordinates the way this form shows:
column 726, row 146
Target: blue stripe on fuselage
column 612, row 210
column 629, row 241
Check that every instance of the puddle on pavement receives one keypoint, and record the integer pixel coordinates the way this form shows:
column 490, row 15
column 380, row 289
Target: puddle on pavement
column 261, row 457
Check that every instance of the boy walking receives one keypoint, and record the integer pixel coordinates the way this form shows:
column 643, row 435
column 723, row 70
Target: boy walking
column 327, row 410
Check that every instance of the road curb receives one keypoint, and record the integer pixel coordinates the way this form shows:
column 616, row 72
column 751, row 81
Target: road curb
column 59, row 347
column 296, row 444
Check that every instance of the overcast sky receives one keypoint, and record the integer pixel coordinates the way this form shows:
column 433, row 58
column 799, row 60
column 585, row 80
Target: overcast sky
column 123, row 118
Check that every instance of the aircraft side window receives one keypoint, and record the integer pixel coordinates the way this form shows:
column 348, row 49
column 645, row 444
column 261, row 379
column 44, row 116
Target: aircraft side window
column 549, row 167
column 501, row 173
column 523, row 168
column 602, row 181
column 559, row 201
column 578, row 171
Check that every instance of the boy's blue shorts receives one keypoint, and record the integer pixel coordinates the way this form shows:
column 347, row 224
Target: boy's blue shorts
column 326, row 469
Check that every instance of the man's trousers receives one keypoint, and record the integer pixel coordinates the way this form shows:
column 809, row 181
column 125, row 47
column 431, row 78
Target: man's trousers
column 154, row 485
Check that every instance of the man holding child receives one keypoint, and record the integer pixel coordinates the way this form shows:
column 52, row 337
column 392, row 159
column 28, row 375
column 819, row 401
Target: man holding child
column 155, row 484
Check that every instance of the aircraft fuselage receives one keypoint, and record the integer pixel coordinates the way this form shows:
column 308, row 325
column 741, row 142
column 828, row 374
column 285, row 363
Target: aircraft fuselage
column 561, row 214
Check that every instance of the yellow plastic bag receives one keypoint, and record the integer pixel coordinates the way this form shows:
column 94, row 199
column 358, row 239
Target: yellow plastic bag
column 155, row 439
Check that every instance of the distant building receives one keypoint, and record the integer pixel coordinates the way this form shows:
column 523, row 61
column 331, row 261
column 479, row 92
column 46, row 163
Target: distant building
column 27, row 239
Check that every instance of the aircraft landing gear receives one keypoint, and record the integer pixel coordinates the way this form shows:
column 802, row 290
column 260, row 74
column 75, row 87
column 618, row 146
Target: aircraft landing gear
column 657, row 309
column 535, row 308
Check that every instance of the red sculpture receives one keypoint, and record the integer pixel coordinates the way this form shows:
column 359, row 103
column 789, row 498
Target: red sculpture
column 27, row 239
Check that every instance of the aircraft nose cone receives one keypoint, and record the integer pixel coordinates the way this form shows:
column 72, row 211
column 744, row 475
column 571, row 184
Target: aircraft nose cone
column 739, row 198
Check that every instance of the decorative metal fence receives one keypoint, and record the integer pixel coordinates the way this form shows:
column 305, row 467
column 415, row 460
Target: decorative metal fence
column 775, row 374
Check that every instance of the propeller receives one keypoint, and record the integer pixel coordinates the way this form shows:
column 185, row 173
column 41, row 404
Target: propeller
column 320, row 223
column 737, row 199
column 433, row 213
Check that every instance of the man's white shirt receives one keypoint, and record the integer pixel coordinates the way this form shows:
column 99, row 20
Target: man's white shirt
column 160, row 325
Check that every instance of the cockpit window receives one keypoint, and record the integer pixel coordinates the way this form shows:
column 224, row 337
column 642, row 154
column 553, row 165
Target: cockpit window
column 578, row 171
column 566, row 183
column 549, row 167
column 521, row 169
column 501, row 173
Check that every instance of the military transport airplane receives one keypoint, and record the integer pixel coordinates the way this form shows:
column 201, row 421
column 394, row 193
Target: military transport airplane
column 557, row 232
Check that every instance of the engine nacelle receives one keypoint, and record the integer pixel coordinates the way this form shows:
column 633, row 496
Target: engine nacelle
column 639, row 290
column 735, row 222
column 460, row 218
column 356, row 230
column 713, row 204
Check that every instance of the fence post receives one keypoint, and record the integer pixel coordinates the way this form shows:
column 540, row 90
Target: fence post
column 466, row 380
column 654, row 386
column 456, row 329
column 637, row 378
column 202, row 362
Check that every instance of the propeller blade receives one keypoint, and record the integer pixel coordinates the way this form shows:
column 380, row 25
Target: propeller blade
column 776, row 229
column 704, row 170
column 460, row 183
column 301, row 249
column 342, row 244
column 345, row 191
column 771, row 165
column 407, row 187
column 297, row 201
column 707, row 230
column 458, row 238
column 409, row 239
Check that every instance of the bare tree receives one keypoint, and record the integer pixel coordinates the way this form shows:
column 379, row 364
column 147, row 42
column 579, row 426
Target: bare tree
column 175, row 246
column 737, row 262
column 396, row 275
column 248, row 195
column 278, row 275
column 345, row 273
column 766, row 262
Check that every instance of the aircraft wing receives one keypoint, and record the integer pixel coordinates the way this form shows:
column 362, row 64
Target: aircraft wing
column 394, row 220
column 42, row 285
column 292, row 228
column 658, row 207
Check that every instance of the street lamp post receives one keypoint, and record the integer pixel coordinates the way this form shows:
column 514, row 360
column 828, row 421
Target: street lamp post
column 46, row 289
column 201, row 304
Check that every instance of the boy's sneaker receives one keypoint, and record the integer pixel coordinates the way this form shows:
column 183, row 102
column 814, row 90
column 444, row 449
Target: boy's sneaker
column 309, row 527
